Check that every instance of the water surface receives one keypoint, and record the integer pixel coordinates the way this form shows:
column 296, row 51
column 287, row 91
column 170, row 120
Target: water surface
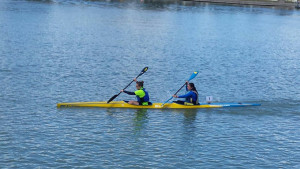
column 67, row 51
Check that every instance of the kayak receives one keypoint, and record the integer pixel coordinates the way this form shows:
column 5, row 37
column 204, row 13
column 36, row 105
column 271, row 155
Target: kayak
column 123, row 104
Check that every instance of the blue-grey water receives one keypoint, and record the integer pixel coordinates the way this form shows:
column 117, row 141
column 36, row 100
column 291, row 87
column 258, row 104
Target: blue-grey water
column 69, row 50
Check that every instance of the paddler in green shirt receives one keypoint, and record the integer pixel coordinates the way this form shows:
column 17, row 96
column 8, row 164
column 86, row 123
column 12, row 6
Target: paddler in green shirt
column 141, row 94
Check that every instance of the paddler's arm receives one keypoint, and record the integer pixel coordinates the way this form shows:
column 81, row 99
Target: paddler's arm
column 184, row 96
column 127, row 92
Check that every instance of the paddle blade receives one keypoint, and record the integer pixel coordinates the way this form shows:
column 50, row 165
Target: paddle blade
column 112, row 98
column 193, row 75
column 144, row 70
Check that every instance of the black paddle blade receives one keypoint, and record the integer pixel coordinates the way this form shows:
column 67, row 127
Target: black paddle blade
column 112, row 98
column 144, row 70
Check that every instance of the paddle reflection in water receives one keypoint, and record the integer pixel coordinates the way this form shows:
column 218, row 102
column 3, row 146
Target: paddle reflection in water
column 190, row 115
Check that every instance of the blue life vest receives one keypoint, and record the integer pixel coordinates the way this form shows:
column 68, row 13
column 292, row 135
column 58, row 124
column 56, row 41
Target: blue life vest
column 145, row 98
column 191, row 97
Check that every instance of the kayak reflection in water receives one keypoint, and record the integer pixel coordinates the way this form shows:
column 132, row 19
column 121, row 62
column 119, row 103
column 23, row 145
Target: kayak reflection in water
column 191, row 98
column 141, row 94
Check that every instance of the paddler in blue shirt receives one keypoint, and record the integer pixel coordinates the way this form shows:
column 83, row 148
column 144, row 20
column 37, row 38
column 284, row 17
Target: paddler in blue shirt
column 141, row 94
column 191, row 98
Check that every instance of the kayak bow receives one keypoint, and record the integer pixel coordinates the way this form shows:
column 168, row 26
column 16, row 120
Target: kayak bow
column 122, row 104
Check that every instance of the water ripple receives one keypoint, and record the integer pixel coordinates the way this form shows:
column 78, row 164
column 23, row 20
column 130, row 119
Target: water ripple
column 65, row 50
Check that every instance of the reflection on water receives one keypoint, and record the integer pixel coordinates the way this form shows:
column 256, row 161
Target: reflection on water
column 79, row 50
column 189, row 122
column 140, row 119
column 190, row 115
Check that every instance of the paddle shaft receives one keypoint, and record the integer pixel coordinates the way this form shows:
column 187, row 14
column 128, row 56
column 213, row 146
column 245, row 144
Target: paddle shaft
column 180, row 88
column 130, row 83
column 174, row 94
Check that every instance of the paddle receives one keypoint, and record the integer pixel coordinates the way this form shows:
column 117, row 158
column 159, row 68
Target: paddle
column 142, row 72
column 191, row 77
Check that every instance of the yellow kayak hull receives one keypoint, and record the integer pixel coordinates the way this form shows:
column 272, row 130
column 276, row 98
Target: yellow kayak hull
column 122, row 104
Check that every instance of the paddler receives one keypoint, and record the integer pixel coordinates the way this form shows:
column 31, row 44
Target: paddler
column 141, row 94
column 191, row 98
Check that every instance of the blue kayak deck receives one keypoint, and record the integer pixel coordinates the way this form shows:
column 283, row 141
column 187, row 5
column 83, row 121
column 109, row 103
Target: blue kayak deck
column 232, row 104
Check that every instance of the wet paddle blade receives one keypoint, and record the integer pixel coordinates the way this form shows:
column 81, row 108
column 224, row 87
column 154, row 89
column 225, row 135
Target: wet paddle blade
column 144, row 70
column 193, row 75
column 112, row 98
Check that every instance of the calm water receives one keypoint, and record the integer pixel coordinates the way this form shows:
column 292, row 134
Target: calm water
column 66, row 51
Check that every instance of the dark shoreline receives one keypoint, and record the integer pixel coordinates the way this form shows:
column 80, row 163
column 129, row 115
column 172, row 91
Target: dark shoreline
column 263, row 3
column 279, row 3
